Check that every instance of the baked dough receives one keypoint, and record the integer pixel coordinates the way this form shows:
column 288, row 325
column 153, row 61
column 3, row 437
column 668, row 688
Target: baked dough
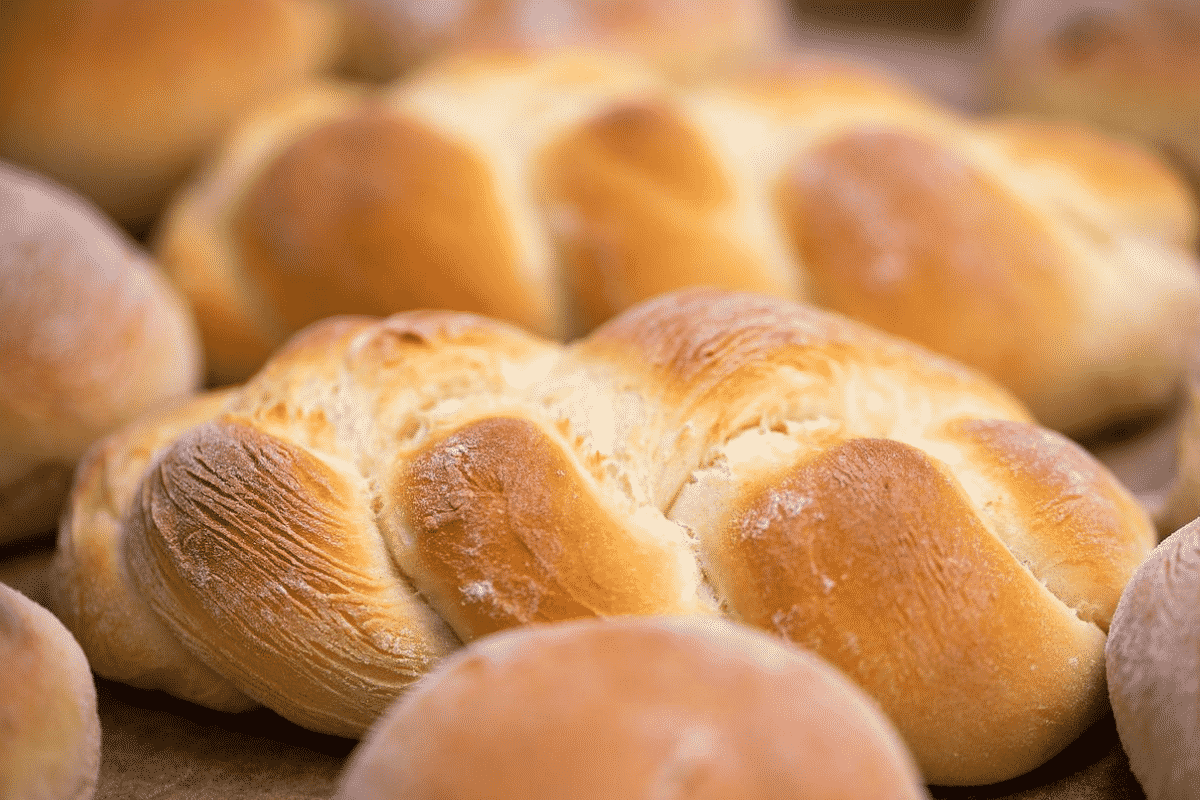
column 384, row 490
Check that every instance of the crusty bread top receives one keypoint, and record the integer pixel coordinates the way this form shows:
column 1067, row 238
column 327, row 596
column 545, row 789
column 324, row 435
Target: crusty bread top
column 92, row 591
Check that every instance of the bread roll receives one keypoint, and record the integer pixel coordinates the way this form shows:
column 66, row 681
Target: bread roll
column 92, row 336
column 685, row 40
column 1128, row 66
column 383, row 490
column 50, row 747
column 1153, row 658
column 118, row 99
column 633, row 707
column 554, row 190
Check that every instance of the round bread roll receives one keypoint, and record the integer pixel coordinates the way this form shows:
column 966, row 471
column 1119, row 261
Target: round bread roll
column 553, row 190
column 50, row 747
column 685, row 40
column 633, row 707
column 385, row 490
column 1128, row 66
column 118, row 99
column 1153, row 659
column 92, row 335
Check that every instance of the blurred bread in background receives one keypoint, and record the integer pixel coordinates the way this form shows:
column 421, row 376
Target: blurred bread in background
column 683, row 39
column 117, row 99
column 930, row 44
column 556, row 188
column 1128, row 66
column 1179, row 503
column 92, row 334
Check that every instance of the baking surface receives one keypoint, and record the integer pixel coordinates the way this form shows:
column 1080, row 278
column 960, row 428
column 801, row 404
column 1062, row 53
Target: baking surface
column 157, row 747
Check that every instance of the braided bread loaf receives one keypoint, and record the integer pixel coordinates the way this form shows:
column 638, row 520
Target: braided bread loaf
column 384, row 490
column 553, row 190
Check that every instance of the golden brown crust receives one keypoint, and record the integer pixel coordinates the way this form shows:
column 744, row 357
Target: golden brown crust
column 715, row 364
column 641, row 205
column 366, row 215
column 230, row 510
column 901, row 232
column 507, row 531
column 713, row 344
column 1085, row 535
column 193, row 242
column 585, row 184
column 869, row 548
column 664, row 707
column 92, row 591
column 119, row 98
column 708, row 451
column 1141, row 188
column 236, row 339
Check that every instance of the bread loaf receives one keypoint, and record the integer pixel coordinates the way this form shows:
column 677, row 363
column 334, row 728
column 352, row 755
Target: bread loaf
column 119, row 99
column 685, row 40
column 635, row 707
column 383, row 490
column 554, row 190
column 50, row 747
column 91, row 335
column 1153, row 659
column 1128, row 66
